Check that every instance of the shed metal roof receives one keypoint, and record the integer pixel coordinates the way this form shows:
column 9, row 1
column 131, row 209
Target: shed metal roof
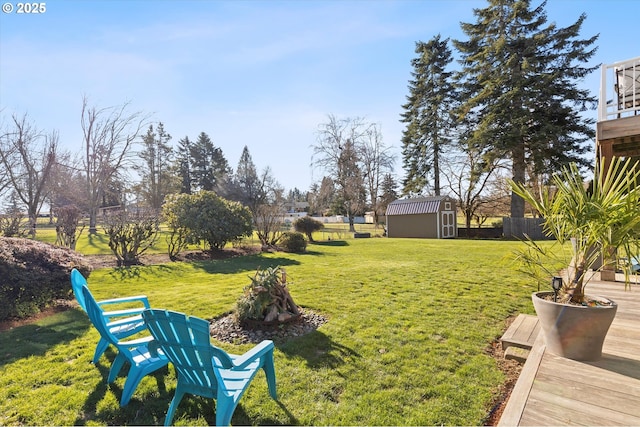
column 422, row 205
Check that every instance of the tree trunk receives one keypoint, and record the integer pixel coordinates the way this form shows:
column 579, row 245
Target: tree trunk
column 436, row 169
column 93, row 214
column 518, row 171
column 608, row 270
column 577, row 286
column 33, row 220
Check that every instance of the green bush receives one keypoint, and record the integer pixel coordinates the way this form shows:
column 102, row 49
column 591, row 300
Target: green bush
column 208, row 217
column 293, row 242
column 308, row 226
column 130, row 237
column 34, row 274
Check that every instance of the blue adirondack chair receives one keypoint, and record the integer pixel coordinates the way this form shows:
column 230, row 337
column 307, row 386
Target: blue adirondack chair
column 135, row 352
column 204, row 369
column 121, row 328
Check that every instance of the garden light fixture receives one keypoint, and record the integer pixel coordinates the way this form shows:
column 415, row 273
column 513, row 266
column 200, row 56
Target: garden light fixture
column 556, row 284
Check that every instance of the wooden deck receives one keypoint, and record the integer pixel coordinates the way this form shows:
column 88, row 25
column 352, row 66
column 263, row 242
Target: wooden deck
column 522, row 333
column 553, row 390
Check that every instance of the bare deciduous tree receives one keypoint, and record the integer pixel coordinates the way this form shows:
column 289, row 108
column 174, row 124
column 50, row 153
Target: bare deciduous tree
column 376, row 163
column 268, row 213
column 335, row 152
column 28, row 156
column 108, row 136
column 66, row 184
column 469, row 177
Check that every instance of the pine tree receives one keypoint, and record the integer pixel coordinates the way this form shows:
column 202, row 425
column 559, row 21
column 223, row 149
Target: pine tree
column 389, row 192
column 351, row 189
column 155, row 170
column 209, row 168
column 427, row 115
column 247, row 188
column 518, row 79
column 183, row 164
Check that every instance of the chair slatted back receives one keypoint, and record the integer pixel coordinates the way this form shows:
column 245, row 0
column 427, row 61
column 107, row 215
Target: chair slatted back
column 95, row 315
column 77, row 282
column 185, row 341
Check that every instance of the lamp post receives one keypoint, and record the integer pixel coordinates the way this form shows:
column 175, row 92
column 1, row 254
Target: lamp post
column 556, row 284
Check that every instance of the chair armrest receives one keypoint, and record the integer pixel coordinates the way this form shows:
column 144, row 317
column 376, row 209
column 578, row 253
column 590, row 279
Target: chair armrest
column 250, row 356
column 140, row 298
column 126, row 312
column 123, row 322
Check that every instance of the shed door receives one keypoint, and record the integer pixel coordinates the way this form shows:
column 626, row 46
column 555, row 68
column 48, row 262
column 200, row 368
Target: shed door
column 448, row 225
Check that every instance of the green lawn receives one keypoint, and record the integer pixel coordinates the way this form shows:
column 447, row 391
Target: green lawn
column 409, row 325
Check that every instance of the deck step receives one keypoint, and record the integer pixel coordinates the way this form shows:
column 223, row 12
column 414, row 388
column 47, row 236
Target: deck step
column 522, row 333
column 516, row 353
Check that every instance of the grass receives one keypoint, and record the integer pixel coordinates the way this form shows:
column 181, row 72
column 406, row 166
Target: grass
column 410, row 322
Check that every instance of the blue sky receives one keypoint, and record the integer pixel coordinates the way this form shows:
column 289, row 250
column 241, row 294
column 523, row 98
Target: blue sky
column 259, row 73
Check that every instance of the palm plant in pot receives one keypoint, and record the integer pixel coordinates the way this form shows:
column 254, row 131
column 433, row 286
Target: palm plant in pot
column 592, row 224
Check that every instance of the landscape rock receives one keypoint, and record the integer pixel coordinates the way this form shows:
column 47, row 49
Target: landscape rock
column 227, row 329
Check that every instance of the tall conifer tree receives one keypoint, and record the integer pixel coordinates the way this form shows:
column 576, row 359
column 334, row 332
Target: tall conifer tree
column 427, row 115
column 209, row 168
column 248, row 188
column 155, row 170
column 183, row 164
column 519, row 81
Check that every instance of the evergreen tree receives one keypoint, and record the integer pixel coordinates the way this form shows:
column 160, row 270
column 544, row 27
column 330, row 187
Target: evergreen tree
column 518, row 79
column 209, row 168
column 351, row 189
column 427, row 115
column 155, row 170
column 389, row 190
column 183, row 165
column 320, row 197
column 296, row 195
column 247, row 187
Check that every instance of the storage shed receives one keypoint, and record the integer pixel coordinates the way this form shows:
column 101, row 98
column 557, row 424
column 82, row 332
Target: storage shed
column 424, row 217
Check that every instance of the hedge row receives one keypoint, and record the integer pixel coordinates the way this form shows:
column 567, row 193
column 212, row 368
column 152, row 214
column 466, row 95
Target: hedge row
column 33, row 275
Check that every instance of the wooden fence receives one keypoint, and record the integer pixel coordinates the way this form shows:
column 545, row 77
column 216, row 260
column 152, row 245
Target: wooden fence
column 517, row 228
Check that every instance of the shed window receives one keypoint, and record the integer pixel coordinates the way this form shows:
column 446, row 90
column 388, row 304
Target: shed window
column 447, row 206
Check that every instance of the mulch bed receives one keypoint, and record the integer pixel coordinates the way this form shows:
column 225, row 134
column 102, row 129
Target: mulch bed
column 511, row 370
column 105, row 261
column 227, row 329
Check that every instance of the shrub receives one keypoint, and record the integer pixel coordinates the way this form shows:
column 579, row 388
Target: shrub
column 68, row 220
column 11, row 225
column 34, row 274
column 293, row 242
column 130, row 237
column 177, row 241
column 308, row 226
column 208, row 217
